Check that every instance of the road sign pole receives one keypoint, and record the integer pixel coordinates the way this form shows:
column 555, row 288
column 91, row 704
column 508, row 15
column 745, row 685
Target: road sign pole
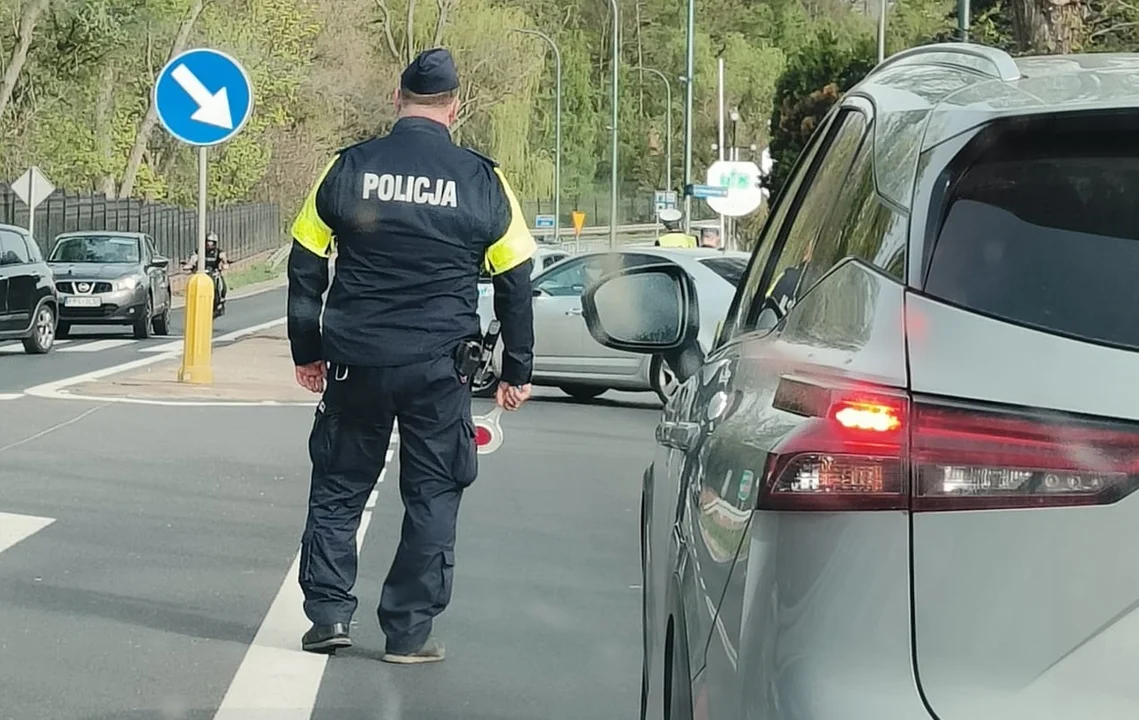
column 203, row 97
column 720, row 103
column 203, row 189
column 31, row 208
column 616, row 102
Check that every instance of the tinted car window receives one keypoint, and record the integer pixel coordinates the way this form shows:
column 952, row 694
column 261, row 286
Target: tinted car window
column 96, row 249
column 13, row 251
column 34, row 250
column 730, row 269
column 1046, row 235
column 738, row 312
column 817, row 201
column 860, row 226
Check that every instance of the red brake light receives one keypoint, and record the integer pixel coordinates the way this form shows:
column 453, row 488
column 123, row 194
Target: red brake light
column 867, row 415
column 876, row 449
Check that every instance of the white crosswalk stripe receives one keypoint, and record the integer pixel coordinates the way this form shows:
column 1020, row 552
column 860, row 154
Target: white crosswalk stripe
column 13, row 348
column 97, row 345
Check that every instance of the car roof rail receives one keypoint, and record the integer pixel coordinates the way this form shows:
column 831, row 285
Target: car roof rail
column 994, row 62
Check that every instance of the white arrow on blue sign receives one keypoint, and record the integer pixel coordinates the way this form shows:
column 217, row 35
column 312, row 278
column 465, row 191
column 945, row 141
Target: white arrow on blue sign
column 203, row 97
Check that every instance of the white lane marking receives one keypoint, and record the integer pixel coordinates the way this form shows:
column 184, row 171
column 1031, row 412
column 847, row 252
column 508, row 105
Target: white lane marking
column 276, row 678
column 51, row 429
column 276, row 675
column 14, row 528
column 11, row 396
column 98, row 345
column 175, row 346
column 55, row 389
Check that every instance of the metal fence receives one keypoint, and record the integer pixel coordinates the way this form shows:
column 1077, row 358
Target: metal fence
column 244, row 230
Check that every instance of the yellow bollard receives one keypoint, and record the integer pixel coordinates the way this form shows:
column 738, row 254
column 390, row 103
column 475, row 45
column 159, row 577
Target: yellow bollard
column 196, row 347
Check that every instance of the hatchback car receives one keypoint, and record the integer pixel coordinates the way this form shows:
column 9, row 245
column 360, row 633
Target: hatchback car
column 902, row 482
column 111, row 278
column 28, row 301
column 566, row 357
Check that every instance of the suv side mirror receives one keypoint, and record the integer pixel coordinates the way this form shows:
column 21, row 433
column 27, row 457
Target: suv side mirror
column 160, row 262
column 648, row 310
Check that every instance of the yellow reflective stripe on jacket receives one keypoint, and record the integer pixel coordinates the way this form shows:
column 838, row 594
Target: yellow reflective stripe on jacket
column 677, row 239
column 309, row 229
column 516, row 245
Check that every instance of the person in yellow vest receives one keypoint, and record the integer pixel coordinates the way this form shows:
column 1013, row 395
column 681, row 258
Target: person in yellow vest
column 673, row 237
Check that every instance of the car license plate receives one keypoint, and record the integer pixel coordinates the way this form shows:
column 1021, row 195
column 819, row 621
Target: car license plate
column 82, row 302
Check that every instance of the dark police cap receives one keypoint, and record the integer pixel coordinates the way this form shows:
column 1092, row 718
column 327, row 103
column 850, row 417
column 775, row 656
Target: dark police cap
column 432, row 72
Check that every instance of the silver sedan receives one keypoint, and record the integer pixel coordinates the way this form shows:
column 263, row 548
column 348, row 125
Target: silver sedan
column 566, row 355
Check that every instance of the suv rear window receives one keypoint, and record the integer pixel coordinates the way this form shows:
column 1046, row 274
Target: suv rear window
column 731, row 269
column 1043, row 230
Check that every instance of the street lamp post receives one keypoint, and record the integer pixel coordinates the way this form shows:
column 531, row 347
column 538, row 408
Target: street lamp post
column 667, row 123
column 690, row 65
column 557, row 127
column 613, row 170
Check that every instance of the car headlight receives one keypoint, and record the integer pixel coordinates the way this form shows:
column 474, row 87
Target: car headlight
column 129, row 282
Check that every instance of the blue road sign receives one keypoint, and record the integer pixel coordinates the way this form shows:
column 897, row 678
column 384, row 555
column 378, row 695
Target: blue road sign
column 203, row 97
column 707, row 191
column 544, row 221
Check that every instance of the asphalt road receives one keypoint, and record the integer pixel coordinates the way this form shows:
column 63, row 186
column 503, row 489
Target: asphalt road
column 160, row 581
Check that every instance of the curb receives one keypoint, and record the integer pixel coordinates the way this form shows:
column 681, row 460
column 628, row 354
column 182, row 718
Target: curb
column 57, row 389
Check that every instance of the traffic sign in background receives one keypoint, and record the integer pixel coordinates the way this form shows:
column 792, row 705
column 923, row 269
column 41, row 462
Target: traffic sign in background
column 544, row 221
column 741, row 179
column 664, row 200
column 203, row 97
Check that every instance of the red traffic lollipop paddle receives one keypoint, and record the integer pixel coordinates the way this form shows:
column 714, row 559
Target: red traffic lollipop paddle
column 488, row 433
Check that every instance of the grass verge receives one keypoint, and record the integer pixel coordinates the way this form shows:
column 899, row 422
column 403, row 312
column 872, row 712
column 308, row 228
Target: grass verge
column 258, row 272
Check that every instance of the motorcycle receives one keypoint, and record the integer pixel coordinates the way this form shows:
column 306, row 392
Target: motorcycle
column 219, row 298
column 216, row 277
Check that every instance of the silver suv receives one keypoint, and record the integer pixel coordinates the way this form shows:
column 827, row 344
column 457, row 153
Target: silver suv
column 902, row 483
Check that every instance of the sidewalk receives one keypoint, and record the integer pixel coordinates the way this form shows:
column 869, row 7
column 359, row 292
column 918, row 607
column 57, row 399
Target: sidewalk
column 255, row 369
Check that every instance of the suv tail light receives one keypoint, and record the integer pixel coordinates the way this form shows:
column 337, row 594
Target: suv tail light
column 865, row 448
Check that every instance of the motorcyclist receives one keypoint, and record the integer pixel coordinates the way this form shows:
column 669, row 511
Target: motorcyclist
column 216, row 265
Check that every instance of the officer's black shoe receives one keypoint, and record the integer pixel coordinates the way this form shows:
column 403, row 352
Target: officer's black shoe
column 326, row 639
column 432, row 651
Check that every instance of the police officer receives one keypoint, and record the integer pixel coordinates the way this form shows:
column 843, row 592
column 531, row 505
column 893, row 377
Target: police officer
column 413, row 217
column 670, row 218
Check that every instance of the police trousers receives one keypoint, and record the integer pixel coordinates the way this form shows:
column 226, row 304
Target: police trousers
column 437, row 460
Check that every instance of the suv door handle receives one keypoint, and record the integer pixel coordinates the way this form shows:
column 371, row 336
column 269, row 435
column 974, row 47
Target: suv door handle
column 573, row 311
column 685, row 435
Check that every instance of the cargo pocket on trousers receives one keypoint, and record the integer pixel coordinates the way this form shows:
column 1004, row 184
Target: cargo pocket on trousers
column 466, row 467
column 448, row 579
column 322, row 439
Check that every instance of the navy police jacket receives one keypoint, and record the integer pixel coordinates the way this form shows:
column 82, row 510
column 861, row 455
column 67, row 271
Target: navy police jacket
column 413, row 217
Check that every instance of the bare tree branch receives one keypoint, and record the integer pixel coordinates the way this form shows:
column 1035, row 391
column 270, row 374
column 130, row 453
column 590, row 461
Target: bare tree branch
column 20, row 53
column 410, row 31
column 445, row 6
column 386, row 21
column 150, row 119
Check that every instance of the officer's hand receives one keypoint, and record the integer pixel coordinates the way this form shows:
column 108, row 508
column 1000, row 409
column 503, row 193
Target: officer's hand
column 311, row 376
column 511, row 397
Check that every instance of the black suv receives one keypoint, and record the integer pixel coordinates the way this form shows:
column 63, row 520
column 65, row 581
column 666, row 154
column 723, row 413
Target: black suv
column 903, row 480
column 29, row 307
